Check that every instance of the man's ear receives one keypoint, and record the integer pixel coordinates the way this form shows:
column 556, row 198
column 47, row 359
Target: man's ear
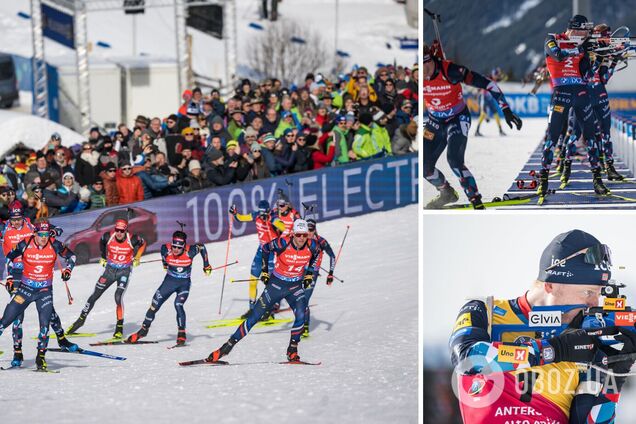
column 548, row 287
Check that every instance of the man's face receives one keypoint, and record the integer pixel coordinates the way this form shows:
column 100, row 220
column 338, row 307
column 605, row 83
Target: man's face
column 16, row 222
column 41, row 237
column 216, row 143
column 59, row 156
column 171, row 123
column 120, row 234
column 41, row 163
column 126, row 170
column 572, row 294
column 155, row 125
column 300, row 239
column 196, row 172
column 160, row 159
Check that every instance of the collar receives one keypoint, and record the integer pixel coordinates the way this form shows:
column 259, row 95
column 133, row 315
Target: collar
column 524, row 305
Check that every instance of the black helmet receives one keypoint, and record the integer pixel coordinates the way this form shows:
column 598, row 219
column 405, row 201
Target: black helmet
column 578, row 22
column 311, row 224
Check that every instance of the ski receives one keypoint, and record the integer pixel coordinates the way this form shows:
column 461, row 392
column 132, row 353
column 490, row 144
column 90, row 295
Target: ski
column 521, row 200
column 202, row 362
column 218, row 363
column 10, row 368
column 601, row 196
column 90, row 353
column 176, row 346
column 237, row 322
column 121, row 342
column 47, row 371
column 54, row 336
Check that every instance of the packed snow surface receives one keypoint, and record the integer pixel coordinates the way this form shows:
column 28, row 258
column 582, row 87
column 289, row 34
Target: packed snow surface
column 364, row 331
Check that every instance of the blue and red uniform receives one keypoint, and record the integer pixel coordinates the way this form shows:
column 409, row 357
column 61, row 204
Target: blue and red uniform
column 449, row 121
column 498, row 351
column 569, row 66
column 324, row 246
column 286, row 282
column 37, row 283
column 178, row 268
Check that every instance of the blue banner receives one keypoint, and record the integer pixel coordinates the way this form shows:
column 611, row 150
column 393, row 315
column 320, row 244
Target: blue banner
column 349, row 190
column 58, row 26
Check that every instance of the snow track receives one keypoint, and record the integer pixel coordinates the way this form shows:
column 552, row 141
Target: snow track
column 364, row 331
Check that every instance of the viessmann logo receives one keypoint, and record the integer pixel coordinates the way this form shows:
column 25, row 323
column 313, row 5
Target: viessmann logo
column 431, row 88
column 42, row 257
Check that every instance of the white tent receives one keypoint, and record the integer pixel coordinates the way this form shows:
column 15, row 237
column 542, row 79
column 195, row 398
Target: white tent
column 31, row 131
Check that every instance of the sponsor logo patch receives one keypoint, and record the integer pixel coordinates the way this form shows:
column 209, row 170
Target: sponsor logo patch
column 464, row 320
column 627, row 319
column 513, row 354
column 544, row 319
column 429, row 135
column 19, row 299
column 558, row 109
column 614, row 304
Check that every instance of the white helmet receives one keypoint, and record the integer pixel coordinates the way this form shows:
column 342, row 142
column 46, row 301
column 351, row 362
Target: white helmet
column 300, row 227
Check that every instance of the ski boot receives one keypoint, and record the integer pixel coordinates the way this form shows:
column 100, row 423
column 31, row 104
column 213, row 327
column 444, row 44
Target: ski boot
column 446, row 195
column 599, row 187
column 40, row 362
column 119, row 330
column 223, row 350
column 18, row 357
column 476, row 202
column 134, row 338
column 66, row 345
column 181, row 337
column 76, row 325
column 542, row 191
column 249, row 311
column 566, row 172
column 305, row 331
column 612, row 174
column 292, row 352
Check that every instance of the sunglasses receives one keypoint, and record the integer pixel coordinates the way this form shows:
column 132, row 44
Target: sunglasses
column 188, row 134
column 43, row 234
column 599, row 254
column 301, row 235
column 98, row 184
column 111, row 171
column 120, row 231
column 68, row 178
column 289, row 135
column 126, row 169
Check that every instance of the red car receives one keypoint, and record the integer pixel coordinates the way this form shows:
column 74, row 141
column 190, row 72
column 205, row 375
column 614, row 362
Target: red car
column 85, row 243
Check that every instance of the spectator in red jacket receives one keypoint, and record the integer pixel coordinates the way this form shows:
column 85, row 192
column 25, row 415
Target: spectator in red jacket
column 129, row 185
column 323, row 151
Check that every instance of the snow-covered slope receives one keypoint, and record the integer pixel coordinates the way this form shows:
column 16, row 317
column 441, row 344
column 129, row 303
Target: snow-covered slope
column 494, row 161
column 32, row 131
column 365, row 27
column 363, row 330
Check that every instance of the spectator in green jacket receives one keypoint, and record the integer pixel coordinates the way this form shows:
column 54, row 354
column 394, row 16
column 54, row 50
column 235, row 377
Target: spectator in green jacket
column 362, row 142
column 236, row 126
column 286, row 121
column 379, row 133
column 98, row 195
column 340, row 132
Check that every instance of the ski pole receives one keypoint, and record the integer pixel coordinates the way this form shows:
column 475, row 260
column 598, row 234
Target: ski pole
column 68, row 293
column 233, row 280
column 436, row 18
column 151, row 260
column 227, row 254
column 327, row 271
column 225, row 266
column 341, row 244
column 289, row 185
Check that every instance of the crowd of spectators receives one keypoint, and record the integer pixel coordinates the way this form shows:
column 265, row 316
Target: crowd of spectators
column 263, row 130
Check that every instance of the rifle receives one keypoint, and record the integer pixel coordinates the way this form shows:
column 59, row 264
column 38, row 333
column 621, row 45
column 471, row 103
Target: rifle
column 436, row 47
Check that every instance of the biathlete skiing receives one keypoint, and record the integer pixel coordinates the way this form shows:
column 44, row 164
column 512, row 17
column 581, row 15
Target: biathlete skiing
column 37, row 254
column 268, row 227
column 177, row 260
column 296, row 257
column 120, row 252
